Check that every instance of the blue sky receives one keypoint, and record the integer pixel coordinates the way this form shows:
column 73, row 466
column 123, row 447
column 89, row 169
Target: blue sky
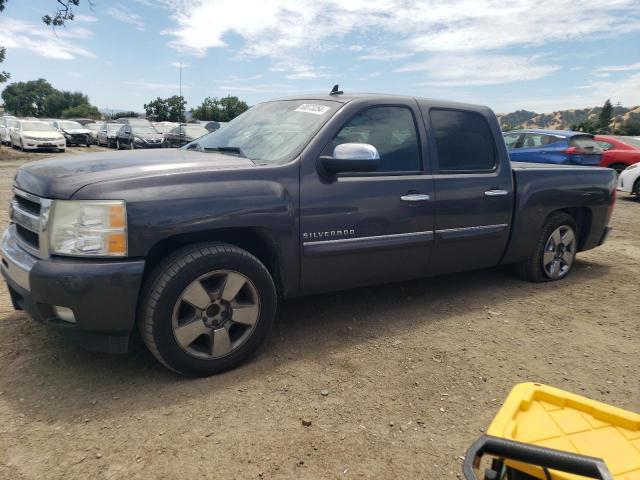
column 538, row 55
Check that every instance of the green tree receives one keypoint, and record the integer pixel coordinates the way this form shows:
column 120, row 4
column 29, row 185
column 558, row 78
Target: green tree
column 605, row 116
column 28, row 98
column 130, row 114
column 166, row 109
column 83, row 110
column 38, row 98
column 588, row 126
column 219, row 109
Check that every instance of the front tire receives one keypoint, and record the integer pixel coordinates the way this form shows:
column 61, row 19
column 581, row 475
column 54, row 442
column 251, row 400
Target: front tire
column 117, row 144
column 207, row 308
column 555, row 252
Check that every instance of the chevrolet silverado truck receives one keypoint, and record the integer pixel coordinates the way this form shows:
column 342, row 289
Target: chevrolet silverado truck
column 196, row 246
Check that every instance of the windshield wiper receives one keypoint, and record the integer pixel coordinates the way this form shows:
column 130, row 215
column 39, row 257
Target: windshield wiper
column 228, row 150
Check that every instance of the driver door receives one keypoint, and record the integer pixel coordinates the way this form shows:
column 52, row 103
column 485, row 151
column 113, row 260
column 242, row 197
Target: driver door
column 367, row 228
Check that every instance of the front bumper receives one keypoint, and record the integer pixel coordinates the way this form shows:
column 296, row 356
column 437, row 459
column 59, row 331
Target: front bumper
column 44, row 144
column 102, row 294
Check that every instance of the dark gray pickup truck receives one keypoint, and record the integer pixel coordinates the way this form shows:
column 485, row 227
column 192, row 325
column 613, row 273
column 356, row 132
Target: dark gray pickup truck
column 196, row 245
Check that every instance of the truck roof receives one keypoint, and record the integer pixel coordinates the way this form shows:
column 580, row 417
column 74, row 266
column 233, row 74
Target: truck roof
column 348, row 97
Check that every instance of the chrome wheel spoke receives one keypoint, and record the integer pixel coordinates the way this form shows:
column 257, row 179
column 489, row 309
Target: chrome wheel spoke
column 568, row 238
column 556, row 238
column 245, row 314
column 220, row 342
column 186, row 334
column 232, row 285
column 548, row 257
column 196, row 295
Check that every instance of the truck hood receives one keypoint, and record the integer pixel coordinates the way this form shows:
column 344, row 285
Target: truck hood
column 62, row 176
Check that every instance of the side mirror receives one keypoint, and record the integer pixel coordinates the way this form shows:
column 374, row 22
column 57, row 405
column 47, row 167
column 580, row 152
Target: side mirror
column 352, row 157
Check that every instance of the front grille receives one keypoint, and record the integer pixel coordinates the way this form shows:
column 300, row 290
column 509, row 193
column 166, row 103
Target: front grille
column 27, row 211
column 31, row 238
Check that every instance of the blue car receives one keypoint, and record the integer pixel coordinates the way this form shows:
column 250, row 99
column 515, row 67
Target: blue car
column 553, row 146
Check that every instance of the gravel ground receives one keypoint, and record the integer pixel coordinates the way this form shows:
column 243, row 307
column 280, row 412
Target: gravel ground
column 413, row 373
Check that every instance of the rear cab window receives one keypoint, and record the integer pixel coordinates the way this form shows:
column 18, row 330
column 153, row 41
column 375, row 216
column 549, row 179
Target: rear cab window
column 464, row 142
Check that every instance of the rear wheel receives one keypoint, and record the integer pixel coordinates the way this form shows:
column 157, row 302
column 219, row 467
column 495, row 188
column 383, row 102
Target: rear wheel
column 206, row 308
column 555, row 251
column 118, row 144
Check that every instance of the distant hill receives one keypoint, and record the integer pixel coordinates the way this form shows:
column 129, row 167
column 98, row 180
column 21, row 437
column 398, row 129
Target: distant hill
column 564, row 119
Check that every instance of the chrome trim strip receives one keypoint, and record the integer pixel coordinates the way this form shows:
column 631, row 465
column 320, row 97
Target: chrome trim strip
column 374, row 237
column 27, row 195
column 496, row 193
column 25, row 219
column 415, row 197
column 17, row 264
column 471, row 232
column 364, row 244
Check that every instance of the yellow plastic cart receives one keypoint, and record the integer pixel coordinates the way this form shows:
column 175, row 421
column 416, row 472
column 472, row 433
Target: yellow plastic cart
column 545, row 433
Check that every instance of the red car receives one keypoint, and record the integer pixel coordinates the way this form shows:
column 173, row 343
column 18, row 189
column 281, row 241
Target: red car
column 618, row 152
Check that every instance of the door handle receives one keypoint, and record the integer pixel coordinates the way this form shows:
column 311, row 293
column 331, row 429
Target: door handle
column 496, row 193
column 415, row 197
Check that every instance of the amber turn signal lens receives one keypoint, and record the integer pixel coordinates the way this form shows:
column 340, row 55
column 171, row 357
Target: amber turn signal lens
column 116, row 216
column 117, row 244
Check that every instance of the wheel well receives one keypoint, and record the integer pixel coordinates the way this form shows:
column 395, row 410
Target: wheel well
column 254, row 240
column 583, row 218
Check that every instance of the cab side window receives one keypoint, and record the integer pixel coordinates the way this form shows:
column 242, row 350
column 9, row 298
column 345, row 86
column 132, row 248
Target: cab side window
column 392, row 131
column 463, row 140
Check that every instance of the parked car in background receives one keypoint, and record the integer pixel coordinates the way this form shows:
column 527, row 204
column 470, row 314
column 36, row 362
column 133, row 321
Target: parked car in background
column 83, row 121
column 212, row 126
column 553, row 146
column 74, row 133
column 5, row 124
column 134, row 121
column 618, row 152
column 629, row 180
column 164, row 127
column 138, row 136
column 93, row 129
column 181, row 135
column 35, row 135
column 108, row 133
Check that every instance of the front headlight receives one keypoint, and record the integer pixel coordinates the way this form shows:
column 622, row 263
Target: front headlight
column 138, row 140
column 96, row 228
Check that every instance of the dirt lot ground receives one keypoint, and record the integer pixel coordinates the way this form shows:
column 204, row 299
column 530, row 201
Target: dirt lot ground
column 414, row 371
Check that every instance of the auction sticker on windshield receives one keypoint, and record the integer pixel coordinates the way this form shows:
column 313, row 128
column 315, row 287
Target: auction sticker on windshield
column 313, row 108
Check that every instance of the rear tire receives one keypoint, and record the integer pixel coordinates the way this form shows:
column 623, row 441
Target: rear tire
column 556, row 247
column 186, row 274
column 117, row 144
column 636, row 188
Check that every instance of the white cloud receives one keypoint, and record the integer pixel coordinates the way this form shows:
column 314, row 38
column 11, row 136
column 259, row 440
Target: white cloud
column 278, row 28
column 85, row 18
column 618, row 68
column 124, row 14
column 478, row 69
column 63, row 44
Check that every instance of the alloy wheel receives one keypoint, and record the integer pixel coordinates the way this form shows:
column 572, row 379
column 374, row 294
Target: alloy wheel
column 216, row 314
column 559, row 252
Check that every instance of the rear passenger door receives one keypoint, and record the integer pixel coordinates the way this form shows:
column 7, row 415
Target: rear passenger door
column 473, row 190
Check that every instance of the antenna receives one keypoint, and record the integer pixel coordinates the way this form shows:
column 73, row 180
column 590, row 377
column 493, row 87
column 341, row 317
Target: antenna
column 336, row 90
column 181, row 114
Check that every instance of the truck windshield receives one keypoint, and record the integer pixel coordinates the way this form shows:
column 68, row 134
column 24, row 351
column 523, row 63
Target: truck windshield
column 271, row 132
